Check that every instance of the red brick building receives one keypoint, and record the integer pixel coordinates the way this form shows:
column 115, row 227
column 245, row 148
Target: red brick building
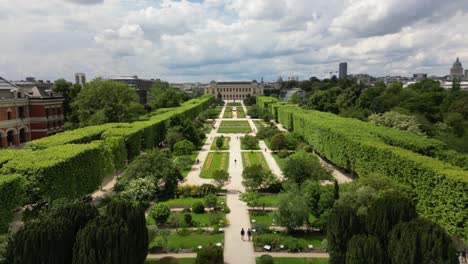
column 27, row 114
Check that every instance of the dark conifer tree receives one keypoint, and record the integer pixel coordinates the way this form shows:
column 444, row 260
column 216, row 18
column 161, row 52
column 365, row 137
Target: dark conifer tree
column 363, row 249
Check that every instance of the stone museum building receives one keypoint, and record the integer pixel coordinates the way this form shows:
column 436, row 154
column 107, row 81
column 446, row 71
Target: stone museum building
column 234, row 90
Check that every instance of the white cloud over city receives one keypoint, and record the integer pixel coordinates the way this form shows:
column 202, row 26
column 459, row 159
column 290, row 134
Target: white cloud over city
column 229, row 40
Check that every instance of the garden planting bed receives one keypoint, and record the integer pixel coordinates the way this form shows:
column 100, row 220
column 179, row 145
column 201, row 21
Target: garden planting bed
column 240, row 127
column 253, row 158
column 214, row 161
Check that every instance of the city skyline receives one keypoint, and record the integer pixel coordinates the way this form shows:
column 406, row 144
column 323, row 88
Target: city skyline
column 181, row 41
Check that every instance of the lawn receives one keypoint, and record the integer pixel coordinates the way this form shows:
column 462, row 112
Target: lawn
column 189, row 240
column 279, row 160
column 187, row 202
column 253, row 158
column 234, row 127
column 260, row 123
column 179, row 260
column 207, row 219
column 225, row 143
column 228, row 112
column 297, row 261
column 268, row 200
column 275, row 240
column 214, row 161
column 240, row 112
column 265, row 218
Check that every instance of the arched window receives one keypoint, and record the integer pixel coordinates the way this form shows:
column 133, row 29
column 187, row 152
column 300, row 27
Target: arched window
column 10, row 138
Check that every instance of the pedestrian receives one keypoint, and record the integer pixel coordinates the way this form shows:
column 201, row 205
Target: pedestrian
column 249, row 233
column 235, row 161
column 242, row 234
column 265, row 149
column 198, row 161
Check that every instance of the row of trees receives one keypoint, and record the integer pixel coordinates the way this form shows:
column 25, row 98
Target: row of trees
column 73, row 232
column 429, row 108
column 102, row 101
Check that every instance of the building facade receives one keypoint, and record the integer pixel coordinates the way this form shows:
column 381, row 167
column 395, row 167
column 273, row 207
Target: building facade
column 343, row 70
column 234, row 90
column 27, row 114
column 80, row 78
column 456, row 72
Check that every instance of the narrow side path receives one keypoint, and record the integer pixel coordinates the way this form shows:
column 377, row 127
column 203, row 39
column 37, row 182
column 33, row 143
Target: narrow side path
column 236, row 251
column 275, row 169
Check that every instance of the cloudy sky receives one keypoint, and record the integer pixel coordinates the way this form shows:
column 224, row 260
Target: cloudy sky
column 203, row 40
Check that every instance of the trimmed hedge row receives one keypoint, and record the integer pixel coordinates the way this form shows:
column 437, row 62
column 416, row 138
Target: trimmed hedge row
column 11, row 194
column 441, row 188
column 73, row 164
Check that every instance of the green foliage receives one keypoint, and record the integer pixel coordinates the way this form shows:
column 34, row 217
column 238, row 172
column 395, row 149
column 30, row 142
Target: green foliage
column 84, row 167
column 420, row 241
column 219, row 142
column 256, row 177
column 342, row 225
column 164, row 96
column 206, row 189
column 249, row 142
column 251, row 198
column 156, row 167
column 198, row 208
column 168, row 260
column 404, row 157
column 210, row 255
column 183, row 147
column 265, row 259
column 160, row 213
column 302, row 166
column 140, row 190
column 396, row 120
column 278, row 142
column 184, row 162
column 58, row 227
column 11, row 196
column 220, row 178
column 292, row 209
column 364, row 249
column 210, row 201
column 104, row 101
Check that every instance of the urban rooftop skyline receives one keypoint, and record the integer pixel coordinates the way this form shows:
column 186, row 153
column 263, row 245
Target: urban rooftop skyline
column 190, row 41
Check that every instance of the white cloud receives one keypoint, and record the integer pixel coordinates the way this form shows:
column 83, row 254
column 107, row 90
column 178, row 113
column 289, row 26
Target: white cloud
column 235, row 39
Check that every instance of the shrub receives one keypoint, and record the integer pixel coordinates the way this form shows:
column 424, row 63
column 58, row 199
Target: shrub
column 293, row 245
column 183, row 147
column 198, row 208
column 210, row 255
column 11, row 196
column 265, row 259
column 160, row 213
column 365, row 249
column 283, row 154
column 210, row 201
column 188, row 219
column 249, row 142
column 206, row 189
column 278, row 142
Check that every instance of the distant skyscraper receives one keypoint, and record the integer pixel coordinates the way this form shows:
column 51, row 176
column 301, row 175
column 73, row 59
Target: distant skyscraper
column 80, row 78
column 457, row 70
column 343, row 70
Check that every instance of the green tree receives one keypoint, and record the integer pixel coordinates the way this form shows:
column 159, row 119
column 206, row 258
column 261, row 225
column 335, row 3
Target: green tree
column 155, row 166
column 140, row 190
column 160, row 213
column 57, row 226
column 420, row 241
column 184, row 162
column 278, row 142
column 336, row 190
column 102, row 101
column 183, row 147
column 386, row 212
column 210, row 201
column 302, row 166
column 219, row 143
column 249, row 142
column 292, row 209
column 397, row 120
column 251, row 198
column 220, row 178
column 69, row 93
column 363, row 249
column 162, row 95
column 255, row 177
column 342, row 225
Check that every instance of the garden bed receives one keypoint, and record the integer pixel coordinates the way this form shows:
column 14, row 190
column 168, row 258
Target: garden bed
column 253, row 158
column 225, row 146
column 240, row 127
column 214, row 161
column 184, row 241
column 179, row 261
column 296, row 242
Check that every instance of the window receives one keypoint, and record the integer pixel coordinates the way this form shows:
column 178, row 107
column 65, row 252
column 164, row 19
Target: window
column 21, row 111
column 9, row 115
column 47, row 112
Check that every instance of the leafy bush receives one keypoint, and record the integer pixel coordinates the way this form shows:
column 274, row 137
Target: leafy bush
column 11, row 196
column 206, row 189
column 160, row 213
column 188, row 219
column 210, row 201
column 278, row 142
column 198, row 208
column 265, row 259
column 249, row 142
column 168, row 260
column 183, row 147
column 210, row 255
column 284, row 154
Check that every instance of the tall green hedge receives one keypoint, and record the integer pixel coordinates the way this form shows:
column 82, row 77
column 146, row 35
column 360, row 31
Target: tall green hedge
column 11, row 196
column 71, row 170
column 441, row 188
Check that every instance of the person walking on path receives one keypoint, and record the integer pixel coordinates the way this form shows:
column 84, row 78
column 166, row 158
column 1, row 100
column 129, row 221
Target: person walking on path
column 235, row 161
column 242, row 234
column 265, row 149
column 249, row 233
